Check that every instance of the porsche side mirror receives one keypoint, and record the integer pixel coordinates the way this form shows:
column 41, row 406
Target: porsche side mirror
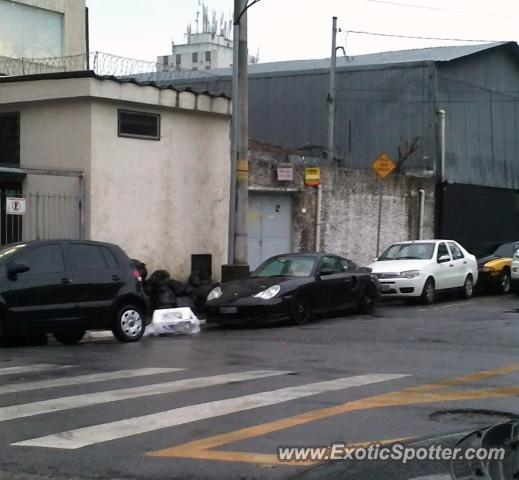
column 444, row 258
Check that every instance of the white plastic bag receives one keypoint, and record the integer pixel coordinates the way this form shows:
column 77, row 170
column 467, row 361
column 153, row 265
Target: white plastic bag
column 173, row 321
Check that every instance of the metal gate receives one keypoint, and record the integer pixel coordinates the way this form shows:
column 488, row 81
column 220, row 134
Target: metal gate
column 46, row 216
column 269, row 226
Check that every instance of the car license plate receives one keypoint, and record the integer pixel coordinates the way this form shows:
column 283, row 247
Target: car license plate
column 385, row 287
column 228, row 310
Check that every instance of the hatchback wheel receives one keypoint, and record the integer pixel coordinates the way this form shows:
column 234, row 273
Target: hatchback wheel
column 129, row 324
column 300, row 311
column 70, row 337
column 468, row 287
column 504, row 282
column 428, row 292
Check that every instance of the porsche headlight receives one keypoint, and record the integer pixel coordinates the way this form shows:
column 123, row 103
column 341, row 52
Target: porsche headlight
column 409, row 274
column 214, row 294
column 269, row 293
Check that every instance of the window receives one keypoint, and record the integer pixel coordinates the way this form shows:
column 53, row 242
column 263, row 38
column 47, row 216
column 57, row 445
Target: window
column 331, row 263
column 178, row 59
column 139, row 125
column 44, row 259
column 457, row 254
column 10, row 138
column 45, row 27
column 348, row 265
column 208, row 56
column 442, row 250
column 87, row 257
column 195, row 57
column 289, row 266
column 409, row 251
column 165, row 60
column 110, row 260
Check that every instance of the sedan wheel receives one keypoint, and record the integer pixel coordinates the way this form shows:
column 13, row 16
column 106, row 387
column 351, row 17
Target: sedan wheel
column 428, row 293
column 505, row 282
column 300, row 311
column 129, row 324
column 468, row 287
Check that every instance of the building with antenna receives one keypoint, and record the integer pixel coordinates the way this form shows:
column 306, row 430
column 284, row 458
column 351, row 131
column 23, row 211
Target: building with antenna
column 209, row 46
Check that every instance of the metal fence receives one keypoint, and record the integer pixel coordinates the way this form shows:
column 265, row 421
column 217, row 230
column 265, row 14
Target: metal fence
column 46, row 216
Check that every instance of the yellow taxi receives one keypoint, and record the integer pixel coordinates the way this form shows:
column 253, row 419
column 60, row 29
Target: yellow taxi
column 495, row 265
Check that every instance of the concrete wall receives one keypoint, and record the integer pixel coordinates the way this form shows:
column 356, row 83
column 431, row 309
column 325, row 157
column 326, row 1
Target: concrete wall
column 349, row 205
column 74, row 38
column 162, row 200
column 53, row 135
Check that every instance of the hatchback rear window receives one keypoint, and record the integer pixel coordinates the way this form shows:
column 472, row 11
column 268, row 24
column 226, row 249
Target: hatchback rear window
column 87, row 257
column 110, row 260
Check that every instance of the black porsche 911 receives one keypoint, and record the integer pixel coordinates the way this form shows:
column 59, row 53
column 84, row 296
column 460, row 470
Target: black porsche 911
column 294, row 286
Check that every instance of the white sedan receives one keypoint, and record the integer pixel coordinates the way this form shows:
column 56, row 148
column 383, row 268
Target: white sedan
column 422, row 268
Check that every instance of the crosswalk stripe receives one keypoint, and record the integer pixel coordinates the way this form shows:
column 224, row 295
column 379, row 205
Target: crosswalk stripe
column 82, row 437
column 83, row 379
column 40, row 367
column 89, row 399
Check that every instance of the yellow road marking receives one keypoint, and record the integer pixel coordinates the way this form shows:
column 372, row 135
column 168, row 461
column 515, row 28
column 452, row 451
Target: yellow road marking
column 200, row 449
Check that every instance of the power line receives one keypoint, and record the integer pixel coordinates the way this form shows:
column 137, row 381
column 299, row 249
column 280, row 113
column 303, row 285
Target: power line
column 463, row 12
column 424, row 38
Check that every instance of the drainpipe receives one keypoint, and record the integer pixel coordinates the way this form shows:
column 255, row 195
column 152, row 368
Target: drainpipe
column 442, row 176
column 82, row 198
column 421, row 197
column 318, row 219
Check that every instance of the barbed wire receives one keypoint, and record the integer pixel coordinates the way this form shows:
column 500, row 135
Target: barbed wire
column 102, row 64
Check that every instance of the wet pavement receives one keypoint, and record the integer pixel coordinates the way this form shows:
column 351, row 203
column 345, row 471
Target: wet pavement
column 218, row 404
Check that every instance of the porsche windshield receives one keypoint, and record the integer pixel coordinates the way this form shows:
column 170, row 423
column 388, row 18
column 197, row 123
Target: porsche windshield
column 409, row 251
column 289, row 266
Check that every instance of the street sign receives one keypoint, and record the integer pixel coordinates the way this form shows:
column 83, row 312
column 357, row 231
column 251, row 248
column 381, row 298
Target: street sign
column 383, row 165
column 285, row 173
column 312, row 176
column 15, row 206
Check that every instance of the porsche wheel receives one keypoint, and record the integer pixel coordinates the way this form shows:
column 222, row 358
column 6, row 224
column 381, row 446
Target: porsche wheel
column 300, row 310
column 368, row 299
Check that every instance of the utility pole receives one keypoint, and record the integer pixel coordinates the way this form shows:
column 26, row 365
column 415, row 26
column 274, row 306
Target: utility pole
column 242, row 167
column 331, row 128
column 331, row 94
column 239, row 199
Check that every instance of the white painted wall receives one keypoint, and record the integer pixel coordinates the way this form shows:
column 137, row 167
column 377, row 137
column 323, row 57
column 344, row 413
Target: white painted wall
column 162, row 200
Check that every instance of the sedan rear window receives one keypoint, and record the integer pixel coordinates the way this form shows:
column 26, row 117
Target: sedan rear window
column 409, row 251
column 289, row 266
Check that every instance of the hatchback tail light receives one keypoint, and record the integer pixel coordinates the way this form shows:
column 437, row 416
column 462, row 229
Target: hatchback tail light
column 136, row 275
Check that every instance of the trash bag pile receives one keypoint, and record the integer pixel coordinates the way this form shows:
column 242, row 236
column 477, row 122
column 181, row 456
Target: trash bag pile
column 166, row 292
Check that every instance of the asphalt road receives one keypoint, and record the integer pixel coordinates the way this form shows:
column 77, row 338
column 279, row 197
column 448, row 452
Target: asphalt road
column 219, row 403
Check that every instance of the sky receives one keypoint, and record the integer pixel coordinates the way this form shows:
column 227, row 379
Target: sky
column 301, row 29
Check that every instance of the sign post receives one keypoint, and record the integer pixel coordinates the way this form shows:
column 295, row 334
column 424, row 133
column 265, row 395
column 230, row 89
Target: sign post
column 383, row 167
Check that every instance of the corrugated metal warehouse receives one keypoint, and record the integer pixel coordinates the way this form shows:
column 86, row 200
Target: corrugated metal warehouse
column 388, row 102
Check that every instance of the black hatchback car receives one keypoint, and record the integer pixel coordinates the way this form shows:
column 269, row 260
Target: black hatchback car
column 66, row 287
